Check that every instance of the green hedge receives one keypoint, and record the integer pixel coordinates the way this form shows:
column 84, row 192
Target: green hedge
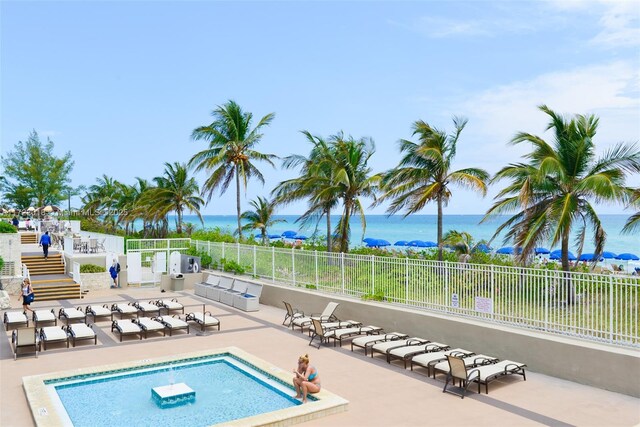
column 6, row 228
column 91, row 268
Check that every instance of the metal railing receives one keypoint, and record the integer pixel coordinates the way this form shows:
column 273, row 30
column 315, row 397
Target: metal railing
column 595, row 307
column 105, row 242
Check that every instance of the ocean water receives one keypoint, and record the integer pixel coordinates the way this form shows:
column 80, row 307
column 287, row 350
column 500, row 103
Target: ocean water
column 424, row 227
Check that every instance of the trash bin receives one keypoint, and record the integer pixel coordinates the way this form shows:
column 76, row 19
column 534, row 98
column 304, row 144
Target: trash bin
column 177, row 282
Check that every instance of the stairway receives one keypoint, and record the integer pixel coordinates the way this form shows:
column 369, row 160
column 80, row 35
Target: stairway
column 37, row 265
column 55, row 288
column 27, row 238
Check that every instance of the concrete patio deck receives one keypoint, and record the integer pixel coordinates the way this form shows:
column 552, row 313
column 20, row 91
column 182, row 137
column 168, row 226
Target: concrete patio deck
column 379, row 394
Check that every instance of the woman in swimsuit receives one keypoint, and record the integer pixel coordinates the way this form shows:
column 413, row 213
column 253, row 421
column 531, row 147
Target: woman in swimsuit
column 306, row 379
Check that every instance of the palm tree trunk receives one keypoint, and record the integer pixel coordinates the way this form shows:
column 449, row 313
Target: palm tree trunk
column 344, row 238
column 439, row 228
column 238, row 202
column 329, row 236
column 179, row 225
column 264, row 237
column 566, row 268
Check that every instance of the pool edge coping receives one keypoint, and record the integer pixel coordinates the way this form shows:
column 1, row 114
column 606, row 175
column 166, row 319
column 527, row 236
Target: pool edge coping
column 328, row 403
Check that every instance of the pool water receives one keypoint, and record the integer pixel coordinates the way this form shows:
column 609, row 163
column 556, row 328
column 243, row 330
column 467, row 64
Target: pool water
column 225, row 390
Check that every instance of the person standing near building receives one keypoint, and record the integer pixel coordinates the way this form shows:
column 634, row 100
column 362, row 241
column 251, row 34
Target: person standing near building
column 45, row 242
column 113, row 271
column 15, row 221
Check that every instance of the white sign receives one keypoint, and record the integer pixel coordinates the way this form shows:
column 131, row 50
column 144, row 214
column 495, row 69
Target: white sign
column 484, row 305
column 455, row 302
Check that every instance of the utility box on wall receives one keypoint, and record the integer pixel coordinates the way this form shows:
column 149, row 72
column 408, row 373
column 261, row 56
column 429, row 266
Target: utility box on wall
column 189, row 264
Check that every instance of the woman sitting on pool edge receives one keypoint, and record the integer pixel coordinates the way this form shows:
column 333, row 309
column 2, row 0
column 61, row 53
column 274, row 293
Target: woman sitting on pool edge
column 306, row 379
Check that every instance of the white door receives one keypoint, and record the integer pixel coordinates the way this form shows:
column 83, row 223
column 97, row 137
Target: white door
column 134, row 267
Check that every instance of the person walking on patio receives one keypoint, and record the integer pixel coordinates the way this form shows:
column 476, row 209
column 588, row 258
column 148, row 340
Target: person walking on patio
column 26, row 294
column 45, row 242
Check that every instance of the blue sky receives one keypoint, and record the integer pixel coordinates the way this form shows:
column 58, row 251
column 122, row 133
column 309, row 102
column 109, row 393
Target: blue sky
column 122, row 84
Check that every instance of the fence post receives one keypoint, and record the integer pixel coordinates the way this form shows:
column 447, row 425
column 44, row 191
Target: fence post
column 315, row 254
column 406, row 280
column 293, row 264
column 254, row 262
column 373, row 275
column 223, row 257
column 611, row 309
column 209, row 247
column 493, row 292
column 547, row 291
column 273, row 263
column 238, row 252
column 342, row 269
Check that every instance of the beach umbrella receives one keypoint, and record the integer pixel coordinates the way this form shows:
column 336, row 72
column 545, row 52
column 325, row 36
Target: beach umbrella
column 401, row 243
column 507, row 250
column 482, row 248
column 430, row 244
column 608, row 255
column 31, row 209
column 589, row 257
column 300, row 237
column 417, row 243
column 50, row 208
column 542, row 251
column 382, row 242
column 289, row 234
column 274, row 236
column 628, row 257
column 368, row 239
column 557, row 254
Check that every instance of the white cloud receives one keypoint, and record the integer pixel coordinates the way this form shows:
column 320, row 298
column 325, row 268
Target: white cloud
column 620, row 25
column 438, row 27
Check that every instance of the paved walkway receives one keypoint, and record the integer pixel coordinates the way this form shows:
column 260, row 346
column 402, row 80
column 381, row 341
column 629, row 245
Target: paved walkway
column 379, row 394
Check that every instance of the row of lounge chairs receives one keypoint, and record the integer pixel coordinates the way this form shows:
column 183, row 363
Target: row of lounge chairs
column 33, row 338
column 457, row 364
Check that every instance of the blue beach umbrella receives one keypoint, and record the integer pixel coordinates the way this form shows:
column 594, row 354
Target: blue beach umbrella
column 430, row 244
column 507, row 250
column 483, row 248
column 557, row 254
column 300, row 237
column 401, row 243
column 542, row 251
column 367, row 239
column 589, row 257
column 382, row 242
column 274, row 236
column 289, row 234
column 628, row 257
column 417, row 243
column 608, row 255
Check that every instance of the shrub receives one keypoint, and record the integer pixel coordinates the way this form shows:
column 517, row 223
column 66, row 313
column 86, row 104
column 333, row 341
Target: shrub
column 1, row 263
column 6, row 228
column 91, row 268
column 377, row 296
column 232, row 266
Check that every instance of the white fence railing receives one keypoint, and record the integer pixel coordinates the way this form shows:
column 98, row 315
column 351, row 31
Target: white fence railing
column 595, row 307
column 106, row 242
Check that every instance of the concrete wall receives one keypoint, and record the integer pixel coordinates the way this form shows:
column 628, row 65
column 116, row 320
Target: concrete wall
column 10, row 251
column 598, row 365
column 93, row 281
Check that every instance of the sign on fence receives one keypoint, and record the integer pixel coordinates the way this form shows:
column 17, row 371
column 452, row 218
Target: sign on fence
column 484, row 305
column 455, row 302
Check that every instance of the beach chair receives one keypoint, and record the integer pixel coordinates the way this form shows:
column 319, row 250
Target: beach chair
column 407, row 352
column 44, row 316
column 25, row 339
column 147, row 308
column 53, row 334
column 470, row 362
column 98, row 311
column 320, row 333
column 326, row 316
column 366, row 342
column 100, row 246
column 72, row 314
column 172, row 323
column 427, row 360
column 15, row 318
column 125, row 327
column 385, row 346
column 149, row 325
column 81, row 331
column 170, row 305
column 124, row 309
column 291, row 314
column 482, row 374
column 203, row 321
column 343, row 333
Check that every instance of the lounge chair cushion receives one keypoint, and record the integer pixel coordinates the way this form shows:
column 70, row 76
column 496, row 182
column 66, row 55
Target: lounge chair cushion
column 208, row 320
column 126, row 308
column 502, row 367
column 174, row 322
column 382, row 347
column 145, row 306
column 127, row 327
column 426, row 359
column 43, row 316
column 362, row 341
column 72, row 313
column 80, row 330
column 424, row 348
column 477, row 359
column 54, row 333
column 345, row 332
column 150, row 324
column 98, row 310
column 171, row 305
column 15, row 317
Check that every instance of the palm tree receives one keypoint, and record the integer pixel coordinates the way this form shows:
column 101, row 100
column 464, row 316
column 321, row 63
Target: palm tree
column 313, row 183
column 552, row 193
column 261, row 218
column 424, row 173
column 175, row 192
column 231, row 151
column 633, row 223
column 462, row 242
column 104, row 196
column 351, row 179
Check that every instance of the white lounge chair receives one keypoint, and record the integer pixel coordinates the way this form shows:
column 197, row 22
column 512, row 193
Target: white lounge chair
column 15, row 318
column 427, row 360
column 147, row 308
column 342, row 333
column 98, row 311
column 81, row 331
column 52, row 334
column 326, row 316
column 484, row 374
column 44, row 316
column 72, row 314
column 203, row 321
column 170, row 305
column 126, row 327
column 405, row 353
column 149, row 325
column 24, row 338
column 124, row 309
column 368, row 341
column 173, row 323
column 470, row 362
column 385, row 346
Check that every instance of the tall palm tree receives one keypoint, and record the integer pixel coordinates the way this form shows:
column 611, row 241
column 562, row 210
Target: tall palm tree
column 351, row 179
column 551, row 195
column 261, row 217
column 231, row 151
column 424, row 173
column 313, row 183
column 633, row 223
column 104, row 196
column 175, row 192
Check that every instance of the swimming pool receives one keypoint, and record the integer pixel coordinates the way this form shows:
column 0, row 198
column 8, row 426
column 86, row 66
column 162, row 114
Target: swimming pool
column 231, row 387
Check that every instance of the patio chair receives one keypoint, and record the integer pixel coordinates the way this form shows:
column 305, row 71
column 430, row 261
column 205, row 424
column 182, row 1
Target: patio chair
column 203, row 321
column 470, row 362
column 124, row 309
column 172, row 323
column 44, row 316
column 147, row 309
column 24, row 339
column 291, row 314
column 98, row 311
column 342, row 333
column 340, row 324
column 149, row 325
column 384, row 347
column 407, row 352
column 368, row 341
column 427, row 360
column 319, row 332
column 15, row 318
column 77, row 244
column 93, row 245
column 81, row 331
column 482, row 374
column 70, row 314
column 170, row 305
column 100, row 247
column 326, row 316
column 53, row 334
column 126, row 327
